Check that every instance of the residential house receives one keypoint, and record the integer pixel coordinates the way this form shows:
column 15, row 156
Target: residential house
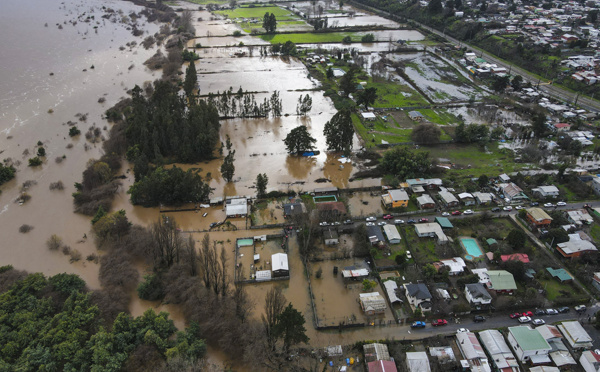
column 376, row 351
column 503, row 360
column 368, row 116
column 546, row 191
column 528, row 345
column 395, row 199
column 415, row 115
column 444, row 222
column 575, row 335
column 580, row 217
column 559, row 354
column 352, row 273
column 596, row 185
column 472, row 352
column 466, row 198
column 237, row 207
column 512, row 193
column 425, row 202
column 392, row 234
column 483, row 198
column 523, row 257
column 426, row 183
column 562, row 127
column 418, row 296
column 477, row 295
column 382, row 366
column 321, row 191
column 417, row 361
column 596, row 281
column 448, row 199
column 391, row 288
column 375, row 235
column 331, row 210
column 330, row 237
column 559, row 274
column 501, row 281
column 279, row 265
column 372, row 303
column 455, row 265
column 504, row 178
column 294, row 210
column 590, row 361
column 575, row 248
column 431, row 230
column 538, row 217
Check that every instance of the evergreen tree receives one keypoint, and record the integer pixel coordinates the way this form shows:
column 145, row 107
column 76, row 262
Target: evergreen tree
column 367, row 97
column 227, row 168
column 435, row 7
column 299, row 140
column 290, row 327
column 191, row 79
column 261, row 185
column 339, row 132
column 348, row 83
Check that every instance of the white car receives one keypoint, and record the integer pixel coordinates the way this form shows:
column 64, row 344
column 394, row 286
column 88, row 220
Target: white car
column 548, row 205
column 524, row 319
column 519, row 207
column 399, row 222
column 382, row 223
column 445, row 214
column 508, row 208
column 371, row 219
column 408, row 255
column 561, row 204
column 462, row 330
column 370, row 224
column 538, row 322
column 324, row 224
column 468, row 211
column 551, row 311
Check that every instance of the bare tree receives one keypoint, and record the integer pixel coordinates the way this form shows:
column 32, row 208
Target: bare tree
column 223, row 273
column 185, row 22
column 191, row 256
column 167, row 242
column 274, row 305
column 204, row 258
column 243, row 303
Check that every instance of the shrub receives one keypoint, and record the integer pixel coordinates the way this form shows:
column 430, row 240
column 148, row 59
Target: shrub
column 368, row 38
column 74, row 131
column 319, row 273
column 151, row 288
column 75, row 256
column 34, row 162
column 41, row 151
column 347, row 40
column 54, row 242
column 24, row 229
column 237, row 33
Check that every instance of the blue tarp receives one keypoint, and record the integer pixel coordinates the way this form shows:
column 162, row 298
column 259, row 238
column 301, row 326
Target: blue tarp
column 308, row 153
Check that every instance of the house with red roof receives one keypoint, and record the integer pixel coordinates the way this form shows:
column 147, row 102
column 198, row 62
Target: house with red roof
column 523, row 257
column 382, row 366
column 562, row 127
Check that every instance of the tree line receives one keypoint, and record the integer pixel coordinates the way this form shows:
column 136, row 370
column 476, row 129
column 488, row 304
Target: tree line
column 243, row 104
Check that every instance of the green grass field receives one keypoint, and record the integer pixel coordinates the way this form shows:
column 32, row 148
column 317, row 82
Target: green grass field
column 440, row 117
column 206, row 2
column 257, row 12
column 310, row 38
column 393, row 94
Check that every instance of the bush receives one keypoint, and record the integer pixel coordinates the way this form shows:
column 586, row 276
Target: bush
column 41, row 151
column 7, row 173
column 151, row 288
column 347, row 40
column 319, row 273
column 74, row 131
column 34, row 162
column 237, row 33
column 368, row 38
column 24, row 229
column 75, row 256
column 54, row 242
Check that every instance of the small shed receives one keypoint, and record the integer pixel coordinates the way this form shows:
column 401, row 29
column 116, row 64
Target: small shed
column 392, row 234
column 444, row 222
column 279, row 265
column 368, row 116
column 492, row 242
column 263, row 275
column 372, row 303
column 560, row 274
column 415, row 115
column 330, row 237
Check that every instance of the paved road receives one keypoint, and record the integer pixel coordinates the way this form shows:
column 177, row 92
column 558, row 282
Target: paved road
column 551, row 90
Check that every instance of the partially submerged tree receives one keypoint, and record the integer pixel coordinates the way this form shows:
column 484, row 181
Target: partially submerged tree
column 426, row 133
column 261, row 185
column 274, row 306
column 290, row 327
column 299, row 140
column 339, row 132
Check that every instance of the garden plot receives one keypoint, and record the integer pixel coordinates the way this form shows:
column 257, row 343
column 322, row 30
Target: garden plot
column 439, row 80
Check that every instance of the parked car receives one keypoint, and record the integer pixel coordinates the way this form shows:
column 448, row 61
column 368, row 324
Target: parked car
column 412, row 221
column 540, row 312
column 462, row 330
column 418, row 324
column 456, row 213
column 323, row 224
column 551, row 311
column 561, row 204
column 479, row 318
column 468, row 211
column 508, row 208
column 564, row 309
column 439, row 322
column 524, row 319
column 496, row 209
column 534, row 204
column 381, row 223
column 580, row 308
column 388, row 217
column 538, row 322
column 399, row 222
column 424, row 220
column 548, row 205
column 408, row 255
column 336, row 223
column 213, row 224
column 527, row 313
column 445, row 214
column 370, row 224
column 519, row 207
column 371, row 219
column 515, row 315
column 348, row 222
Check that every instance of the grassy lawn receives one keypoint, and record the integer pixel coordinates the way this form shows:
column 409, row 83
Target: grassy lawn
column 256, row 12
column 553, row 288
column 595, row 232
column 422, row 248
column 394, row 94
column 205, row 2
column 441, row 117
column 310, row 38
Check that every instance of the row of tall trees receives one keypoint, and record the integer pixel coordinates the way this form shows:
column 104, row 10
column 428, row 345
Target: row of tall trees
column 338, row 132
column 243, row 104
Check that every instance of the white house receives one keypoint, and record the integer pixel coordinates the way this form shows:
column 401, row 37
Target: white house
column 448, row 199
column 477, row 295
column 431, row 230
column 279, row 265
column 580, row 217
column 575, row 335
column 392, row 234
column 528, row 344
column 455, row 265
column 417, row 361
column 236, row 207
column 502, row 358
column 546, row 191
column 471, row 350
column 418, row 296
column 466, row 198
column 483, row 198
column 372, row 303
column 590, row 361
column 330, row 237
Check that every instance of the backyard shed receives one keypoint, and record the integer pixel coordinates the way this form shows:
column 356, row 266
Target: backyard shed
column 236, row 207
column 372, row 303
column 444, row 222
column 279, row 265
column 392, row 234
column 331, row 237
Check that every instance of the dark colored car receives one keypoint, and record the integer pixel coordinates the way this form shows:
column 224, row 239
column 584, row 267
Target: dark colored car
column 411, row 221
column 540, row 312
column 564, row 309
column 213, row 224
column 496, row 209
column 479, row 318
column 534, row 204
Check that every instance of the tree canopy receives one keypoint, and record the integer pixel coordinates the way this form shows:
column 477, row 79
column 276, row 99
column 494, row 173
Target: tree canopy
column 339, row 132
column 299, row 140
column 290, row 327
column 6, row 173
column 404, row 163
column 269, row 22
column 426, row 133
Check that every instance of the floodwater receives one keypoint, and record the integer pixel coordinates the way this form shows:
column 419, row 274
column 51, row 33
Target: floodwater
column 32, row 52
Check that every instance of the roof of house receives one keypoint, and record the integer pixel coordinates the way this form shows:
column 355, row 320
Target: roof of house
column 547, row 189
column 330, row 234
column 502, row 280
column 375, row 231
column 544, row 369
column 279, row 261
column 236, row 207
column 498, row 349
column 418, row 291
column 332, row 206
column 523, row 257
column 391, row 232
column 561, row 274
column 529, row 338
column 469, row 345
column 372, row 301
column 549, row 332
column 580, row 216
column 444, row 222
column 483, row 197
column 477, row 290
column 448, row 197
column 562, row 125
column 382, row 366
column 456, row 264
column 465, row 195
column 575, row 246
column 510, row 189
column 574, row 332
column 377, row 351
column 562, row 357
column 398, row 195
column 538, row 214
column 591, row 356
column 390, row 288
column 294, row 209
column 425, row 199
column 417, row 361
column 330, row 189
column 491, row 241
column 415, row 114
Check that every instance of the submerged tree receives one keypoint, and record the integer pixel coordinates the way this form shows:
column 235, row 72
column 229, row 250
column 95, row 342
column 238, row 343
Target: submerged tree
column 339, row 132
column 261, row 185
column 290, row 327
column 299, row 140
column 191, row 79
column 228, row 168
column 304, row 105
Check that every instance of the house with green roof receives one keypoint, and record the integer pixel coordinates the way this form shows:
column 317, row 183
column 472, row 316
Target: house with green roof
column 501, row 281
column 560, row 274
column 444, row 222
column 529, row 344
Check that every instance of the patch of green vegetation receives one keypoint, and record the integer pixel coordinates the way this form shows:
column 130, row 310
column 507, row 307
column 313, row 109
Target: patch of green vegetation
column 380, row 130
column 312, row 38
column 595, row 232
column 255, row 12
column 422, row 248
column 392, row 94
column 441, row 117
column 206, row 2
column 553, row 288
